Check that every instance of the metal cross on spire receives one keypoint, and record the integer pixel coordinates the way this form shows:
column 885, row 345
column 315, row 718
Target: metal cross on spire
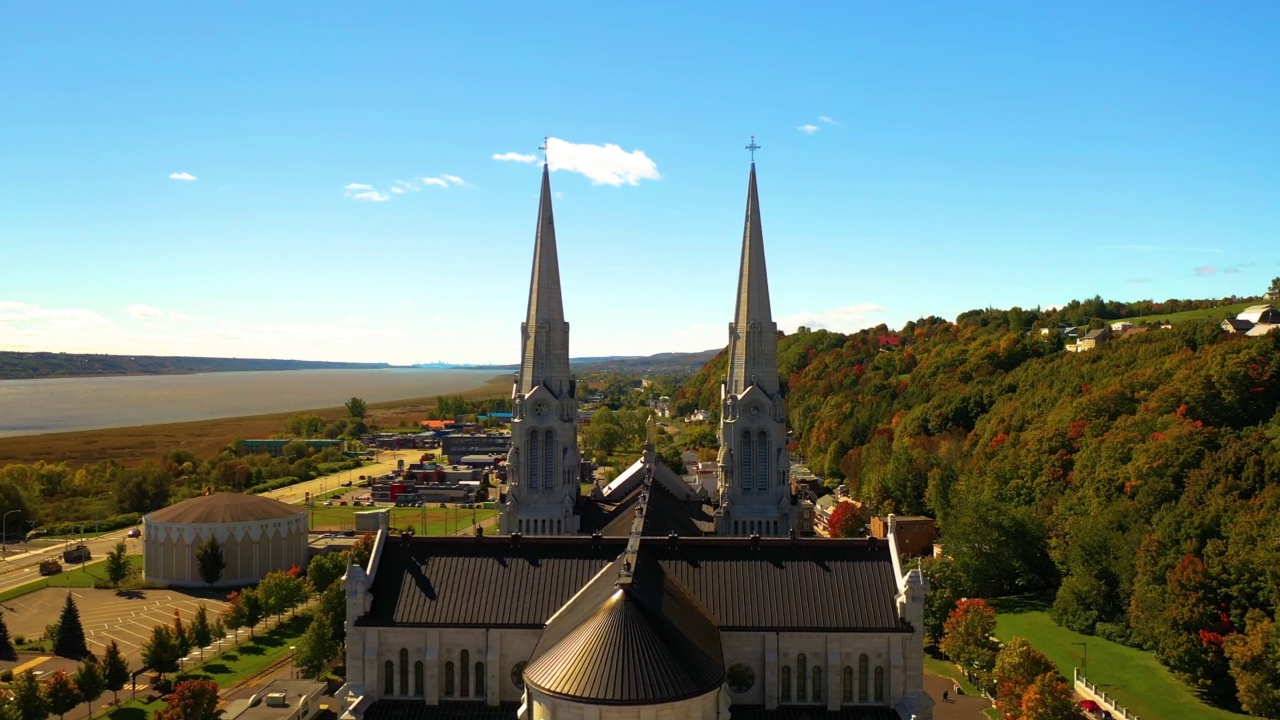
column 543, row 148
column 753, row 147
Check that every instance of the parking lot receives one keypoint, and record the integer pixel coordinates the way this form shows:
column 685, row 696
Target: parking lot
column 107, row 615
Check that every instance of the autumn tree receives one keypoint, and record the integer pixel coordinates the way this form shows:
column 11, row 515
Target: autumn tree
column 115, row 670
column 1254, row 657
column 181, row 635
column 29, row 697
column 1049, row 698
column 209, row 560
column 191, row 700
column 845, row 521
column 118, row 567
column 362, row 549
column 1016, row 668
column 967, row 637
column 69, row 641
column 61, row 693
column 89, row 681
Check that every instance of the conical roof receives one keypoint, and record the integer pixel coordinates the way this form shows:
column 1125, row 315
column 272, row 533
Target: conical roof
column 753, row 341
column 545, row 351
column 225, row 507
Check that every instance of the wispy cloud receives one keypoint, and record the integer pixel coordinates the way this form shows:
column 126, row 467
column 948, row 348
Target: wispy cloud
column 1206, row 270
column 808, row 129
column 606, row 164
column 847, row 319
column 404, row 186
column 515, row 157
column 454, row 179
column 397, row 190
column 357, row 186
column 183, row 176
column 828, row 120
column 149, row 312
column 1139, row 281
column 371, row 196
column 437, row 182
column 24, row 326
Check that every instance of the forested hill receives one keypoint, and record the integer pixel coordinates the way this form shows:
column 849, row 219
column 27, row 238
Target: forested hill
column 24, row 365
column 1138, row 484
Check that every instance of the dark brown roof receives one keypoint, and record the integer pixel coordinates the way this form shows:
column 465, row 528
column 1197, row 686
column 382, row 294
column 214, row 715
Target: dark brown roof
column 638, row 641
column 446, row 710
column 776, row 584
column 666, row 514
column 482, row 582
column 810, row 712
column 225, row 508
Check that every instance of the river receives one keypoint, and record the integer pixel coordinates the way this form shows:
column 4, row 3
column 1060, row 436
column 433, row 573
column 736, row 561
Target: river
column 33, row 407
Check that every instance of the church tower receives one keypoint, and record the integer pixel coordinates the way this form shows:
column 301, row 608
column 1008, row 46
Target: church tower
column 755, row 492
column 542, row 467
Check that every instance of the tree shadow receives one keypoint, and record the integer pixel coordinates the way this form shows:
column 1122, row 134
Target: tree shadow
column 1031, row 602
column 253, row 650
column 131, row 594
column 217, row 668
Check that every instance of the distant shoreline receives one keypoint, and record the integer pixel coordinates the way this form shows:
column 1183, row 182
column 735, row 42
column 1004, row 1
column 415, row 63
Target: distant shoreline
column 16, row 365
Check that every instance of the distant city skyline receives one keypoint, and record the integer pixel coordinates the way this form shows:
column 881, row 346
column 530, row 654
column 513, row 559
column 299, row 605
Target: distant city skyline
column 327, row 182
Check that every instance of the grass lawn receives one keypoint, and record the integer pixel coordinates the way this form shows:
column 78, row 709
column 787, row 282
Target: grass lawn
column 241, row 662
column 1135, row 678
column 439, row 521
column 71, row 578
column 1216, row 314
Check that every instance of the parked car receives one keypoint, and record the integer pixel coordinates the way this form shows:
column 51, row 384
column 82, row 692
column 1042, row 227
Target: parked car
column 346, row 483
column 328, row 503
column 134, row 533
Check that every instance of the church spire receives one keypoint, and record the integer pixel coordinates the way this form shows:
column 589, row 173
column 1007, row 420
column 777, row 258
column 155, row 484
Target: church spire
column 753, row 342
column 545, row 351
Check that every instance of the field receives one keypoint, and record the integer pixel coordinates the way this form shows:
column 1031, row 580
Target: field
column 1134, row 677
column 1217, row 314
column 424, row 521
column 74, row 576
column 134, row 445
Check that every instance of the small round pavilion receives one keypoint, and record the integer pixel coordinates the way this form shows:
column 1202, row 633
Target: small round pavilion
column 258, row 535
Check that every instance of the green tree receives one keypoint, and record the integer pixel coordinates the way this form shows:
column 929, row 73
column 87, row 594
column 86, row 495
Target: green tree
column 280, row 591
column 326, row 569
column 90, row 683
column 1017, row 667
column 9, row 709
column 115, row 670
column 967, row 637
column 244, row 610
column 317, row 646
column 6, row 645
column 333, row 603
column 1254, row 656
column 61, row 693
column 357, row 408
column 362, row 550
column 69, row 641
column 181, row 635
column 944, row 591
column 1275, row 286
column 191, row 700
column 209, row 560
column 161, row 652
column 29, row 697
column 201, row 630
column 118, row 566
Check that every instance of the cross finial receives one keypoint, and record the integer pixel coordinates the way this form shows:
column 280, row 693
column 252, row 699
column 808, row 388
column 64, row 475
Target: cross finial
column 543, row 148
column 753, row 147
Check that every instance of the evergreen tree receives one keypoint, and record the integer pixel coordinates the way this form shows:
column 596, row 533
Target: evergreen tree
column 160, row 652
column 115, row 670
column 61, row 693
column 29, row 697
column 90, row 683
column 9, row 709
column 209, row 560
column 118, row 567
column 6, row 645
column 181, row 636
column 69, row 641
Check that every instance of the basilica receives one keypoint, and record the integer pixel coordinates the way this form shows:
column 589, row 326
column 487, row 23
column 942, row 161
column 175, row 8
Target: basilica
column 649, row 599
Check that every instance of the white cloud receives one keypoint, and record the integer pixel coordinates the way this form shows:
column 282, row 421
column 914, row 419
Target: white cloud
column 405, row 185
column 808, row 129
column 371, row 196
column 847, row 319
column 437, row 182
column 515, row 157
column 179, row 317
column 605, row 164
column 144, row 312
column 454, row 179
column 1206, row 270
column 357, row 186
column 24, row 326
column 828, row 120
column 397, row 190
column 183, row 176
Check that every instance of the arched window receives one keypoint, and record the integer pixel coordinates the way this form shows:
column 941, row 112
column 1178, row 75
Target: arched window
column 802, row 674
column 762, row 462
column 404, row 671
column 448, row 679
column 846, row 684
column 549, row 460
column 535, row 461
column 418, row 679
column 388, row 678
column 817, row 684
column 479, row 679
column 879, row 684
column 786, row 683
column 747, row 471
column 466, row 673
column 862, row 678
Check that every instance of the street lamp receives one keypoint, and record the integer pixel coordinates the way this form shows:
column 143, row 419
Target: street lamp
column 1084, row 659
column 4, row 532
column 293, row 652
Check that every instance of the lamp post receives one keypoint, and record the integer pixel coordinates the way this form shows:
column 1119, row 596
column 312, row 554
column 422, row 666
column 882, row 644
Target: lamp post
column 293, row 654
column 1084, row 657
column 4, row 532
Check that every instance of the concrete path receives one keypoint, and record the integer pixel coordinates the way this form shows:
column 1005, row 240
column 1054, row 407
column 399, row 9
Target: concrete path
column 963, row 707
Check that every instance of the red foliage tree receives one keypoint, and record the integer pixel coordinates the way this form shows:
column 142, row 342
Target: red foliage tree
column 191, row 700
column 845, row 521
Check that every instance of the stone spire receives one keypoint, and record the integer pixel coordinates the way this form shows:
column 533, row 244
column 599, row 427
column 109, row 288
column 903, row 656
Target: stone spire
column 753, row 338
column 545, row 334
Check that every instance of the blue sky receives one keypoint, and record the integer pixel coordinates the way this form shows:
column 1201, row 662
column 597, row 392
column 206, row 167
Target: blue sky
column 916, row 160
